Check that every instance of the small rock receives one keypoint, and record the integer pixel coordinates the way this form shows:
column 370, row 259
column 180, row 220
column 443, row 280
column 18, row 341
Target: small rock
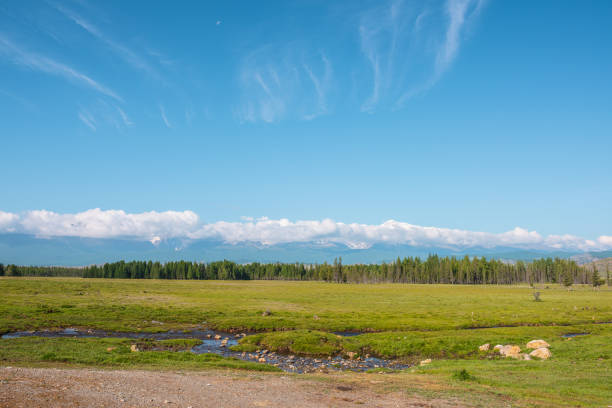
column 484, row 347
column 536, row 344
column 134, row 348
column 351, row 354
column 316, row 317
column 111, row 348
column 266, row 313
column 424, row 362
column 262, row 360
column 510, row 350
column 217, row 337
column 542, row 353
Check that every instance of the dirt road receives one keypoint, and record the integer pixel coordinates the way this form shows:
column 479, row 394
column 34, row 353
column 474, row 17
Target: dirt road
column 50, row 387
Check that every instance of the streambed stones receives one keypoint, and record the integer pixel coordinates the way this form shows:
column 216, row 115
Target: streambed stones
column 540, row 351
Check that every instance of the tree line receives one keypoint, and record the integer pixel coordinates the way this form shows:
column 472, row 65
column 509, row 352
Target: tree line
column 433, row 269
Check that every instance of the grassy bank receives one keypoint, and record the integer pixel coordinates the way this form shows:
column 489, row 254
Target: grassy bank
column 114, row 353
column 417, row 345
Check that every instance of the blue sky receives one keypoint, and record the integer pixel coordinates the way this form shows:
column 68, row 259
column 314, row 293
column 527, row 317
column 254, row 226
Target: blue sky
column 461, row 114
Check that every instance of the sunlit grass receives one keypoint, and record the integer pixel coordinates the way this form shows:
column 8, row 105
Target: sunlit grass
column 132, row 305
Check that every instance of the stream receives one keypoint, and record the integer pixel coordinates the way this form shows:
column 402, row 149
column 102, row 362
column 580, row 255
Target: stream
column 217, row 342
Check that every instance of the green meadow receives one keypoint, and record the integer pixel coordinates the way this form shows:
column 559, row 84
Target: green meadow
column 446, row 323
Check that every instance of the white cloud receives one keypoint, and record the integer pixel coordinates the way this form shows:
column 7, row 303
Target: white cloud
column 605, row 240
column 97, row 223
column 41, row 63
column 8, row 221
column 155, row 226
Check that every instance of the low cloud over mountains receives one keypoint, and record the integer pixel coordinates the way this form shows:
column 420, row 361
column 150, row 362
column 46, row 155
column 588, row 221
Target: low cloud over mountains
column 156, row 227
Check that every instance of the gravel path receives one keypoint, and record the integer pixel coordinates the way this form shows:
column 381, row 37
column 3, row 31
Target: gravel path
column 50, row 387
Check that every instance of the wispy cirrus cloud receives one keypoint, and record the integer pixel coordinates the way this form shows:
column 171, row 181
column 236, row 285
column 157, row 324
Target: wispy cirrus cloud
column 124, row 117
column 22, row 57
column 277, row 85
column 162, row 112
column 409, row 46
column 321, row 85
column 459, row 13
column 154, row 226
column 124, row 52
column 87, row 118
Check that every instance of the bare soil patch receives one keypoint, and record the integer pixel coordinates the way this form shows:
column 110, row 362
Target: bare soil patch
column 51, row 387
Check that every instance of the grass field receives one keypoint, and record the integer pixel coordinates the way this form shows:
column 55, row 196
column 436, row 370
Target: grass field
column 409, row 322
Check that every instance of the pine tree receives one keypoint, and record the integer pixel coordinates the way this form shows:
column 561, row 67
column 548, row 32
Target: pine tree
column 568, row 279
column 608, row 275
column 530, row 278
column 596, row 279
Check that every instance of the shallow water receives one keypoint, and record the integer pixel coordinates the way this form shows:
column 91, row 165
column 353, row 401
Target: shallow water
column 221, row 346
column 72, row 332
column 347, row 334
column 570, row 335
